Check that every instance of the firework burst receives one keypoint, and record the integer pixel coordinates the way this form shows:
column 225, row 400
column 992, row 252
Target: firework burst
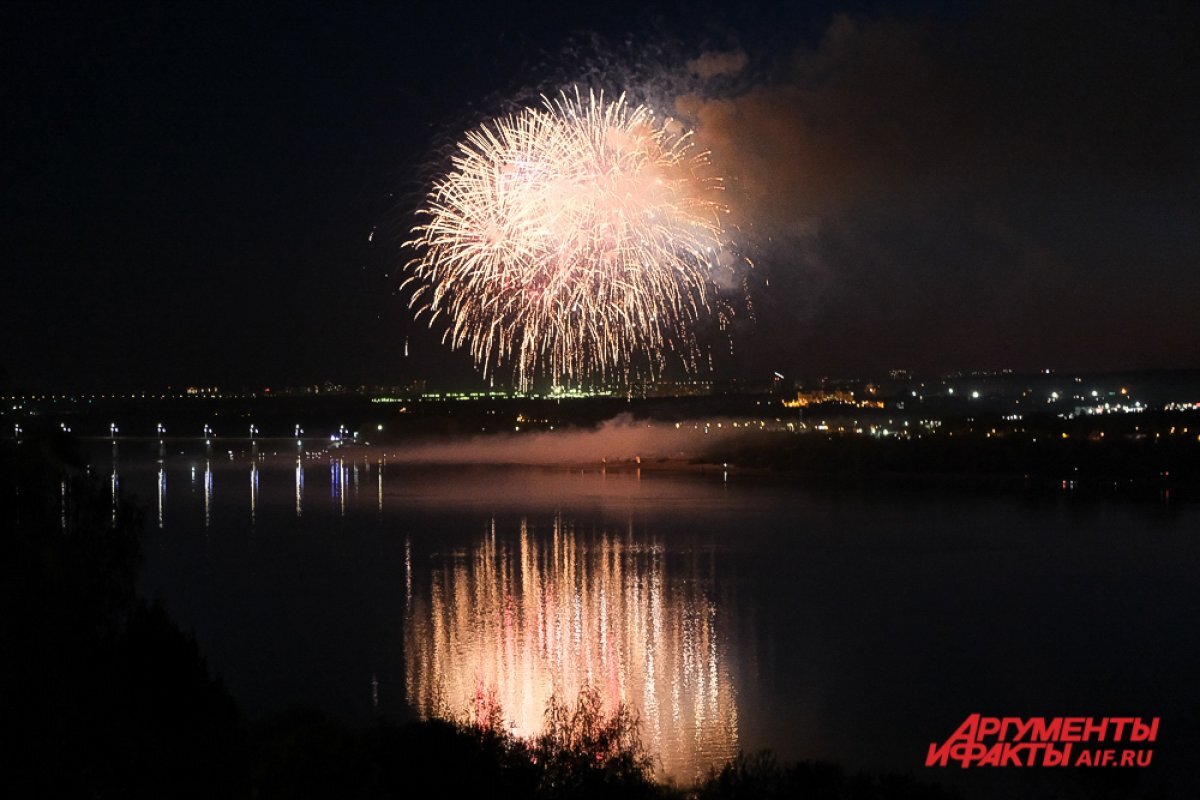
column 577, row 241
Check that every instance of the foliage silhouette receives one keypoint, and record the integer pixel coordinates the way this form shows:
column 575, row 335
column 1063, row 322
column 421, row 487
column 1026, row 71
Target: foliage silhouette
column 762, row 777
column 100, row 693
column 584, row 753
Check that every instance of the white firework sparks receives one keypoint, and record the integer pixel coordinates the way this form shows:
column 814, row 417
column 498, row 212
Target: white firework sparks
column 576, row 241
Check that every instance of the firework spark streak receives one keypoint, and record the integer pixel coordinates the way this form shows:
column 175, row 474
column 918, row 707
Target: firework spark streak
column 576, row 241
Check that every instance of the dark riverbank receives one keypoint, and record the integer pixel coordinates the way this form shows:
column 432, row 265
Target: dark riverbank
column 105, row 696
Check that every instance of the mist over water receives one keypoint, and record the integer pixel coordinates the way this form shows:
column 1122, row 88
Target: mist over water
column 621, row 439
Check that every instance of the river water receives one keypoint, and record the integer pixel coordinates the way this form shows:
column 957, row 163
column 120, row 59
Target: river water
column 729, row 612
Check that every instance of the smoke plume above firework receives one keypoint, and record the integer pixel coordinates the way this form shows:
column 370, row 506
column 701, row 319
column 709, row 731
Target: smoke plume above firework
column 934, row 191
column 578, row 241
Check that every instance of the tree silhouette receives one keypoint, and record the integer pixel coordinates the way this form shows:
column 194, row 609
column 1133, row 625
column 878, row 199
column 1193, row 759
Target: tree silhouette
column 100, row 693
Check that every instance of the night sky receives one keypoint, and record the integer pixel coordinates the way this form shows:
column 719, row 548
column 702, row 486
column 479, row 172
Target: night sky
column 203, row 195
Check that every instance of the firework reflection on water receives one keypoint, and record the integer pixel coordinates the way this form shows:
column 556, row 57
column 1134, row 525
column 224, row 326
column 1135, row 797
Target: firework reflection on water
column 528, row 616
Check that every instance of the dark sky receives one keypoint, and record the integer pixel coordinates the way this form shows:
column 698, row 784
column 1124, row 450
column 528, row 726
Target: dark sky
column 189, row 189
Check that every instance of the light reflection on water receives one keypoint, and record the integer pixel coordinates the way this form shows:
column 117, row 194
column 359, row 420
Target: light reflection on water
column 162, row 492
column 299, row 485
column 545, row 613
column 534, row 609
column 821, row 623
column 208, row 493
column 253, row 492
column 338, row 482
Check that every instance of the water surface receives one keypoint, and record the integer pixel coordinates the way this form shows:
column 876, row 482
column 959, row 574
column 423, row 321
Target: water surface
column 731, row 612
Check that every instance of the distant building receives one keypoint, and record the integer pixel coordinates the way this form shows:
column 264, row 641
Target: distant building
column 671, row 389
column 836, row 396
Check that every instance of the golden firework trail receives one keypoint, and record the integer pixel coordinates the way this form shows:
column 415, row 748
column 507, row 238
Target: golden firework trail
column 577, row 241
